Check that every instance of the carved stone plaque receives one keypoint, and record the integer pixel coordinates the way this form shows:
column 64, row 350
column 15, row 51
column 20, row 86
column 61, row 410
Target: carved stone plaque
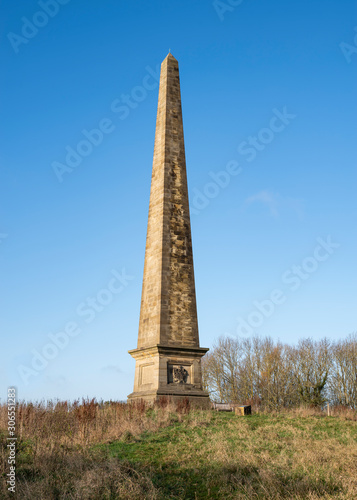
column 178, row 374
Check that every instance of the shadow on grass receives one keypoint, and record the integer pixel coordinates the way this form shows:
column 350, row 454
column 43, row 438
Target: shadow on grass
column 101, row 475
column 179, row 481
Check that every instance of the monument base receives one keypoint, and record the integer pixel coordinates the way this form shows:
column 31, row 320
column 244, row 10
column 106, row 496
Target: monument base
column 168, row 371
column 200, row 401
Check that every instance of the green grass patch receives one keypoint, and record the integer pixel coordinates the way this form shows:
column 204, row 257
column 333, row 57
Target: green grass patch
column 234, row 457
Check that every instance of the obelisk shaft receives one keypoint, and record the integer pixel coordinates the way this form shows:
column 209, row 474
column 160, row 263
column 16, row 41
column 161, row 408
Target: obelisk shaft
column 168, row 313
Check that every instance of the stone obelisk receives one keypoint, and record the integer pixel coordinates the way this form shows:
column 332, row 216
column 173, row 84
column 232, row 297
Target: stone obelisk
column 168, row 355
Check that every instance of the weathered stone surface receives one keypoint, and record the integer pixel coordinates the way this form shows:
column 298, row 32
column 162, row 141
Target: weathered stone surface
column 243, row 410
column 168, row 329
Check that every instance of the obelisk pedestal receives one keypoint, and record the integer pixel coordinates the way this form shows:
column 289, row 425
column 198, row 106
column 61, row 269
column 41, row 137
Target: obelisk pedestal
column 168, row 356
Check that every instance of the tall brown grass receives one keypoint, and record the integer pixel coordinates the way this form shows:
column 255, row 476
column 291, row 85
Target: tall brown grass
column 54, row 456
column 88, row 421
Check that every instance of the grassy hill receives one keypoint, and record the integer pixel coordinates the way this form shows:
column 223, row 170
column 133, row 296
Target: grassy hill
column 166, row 453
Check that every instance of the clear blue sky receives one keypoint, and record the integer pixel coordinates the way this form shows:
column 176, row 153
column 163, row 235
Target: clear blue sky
column 240, row 66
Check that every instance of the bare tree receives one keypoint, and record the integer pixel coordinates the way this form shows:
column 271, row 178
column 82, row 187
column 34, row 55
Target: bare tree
column 343, row 379
column 220, row 369
column 276, row 383
column 271, row 374
column 311, row 363
column 212, row 379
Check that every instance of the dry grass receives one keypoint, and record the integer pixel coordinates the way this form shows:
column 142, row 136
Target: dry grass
column 87, row 422
column 342, row 412
column 98, row 451
column 54, row 454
